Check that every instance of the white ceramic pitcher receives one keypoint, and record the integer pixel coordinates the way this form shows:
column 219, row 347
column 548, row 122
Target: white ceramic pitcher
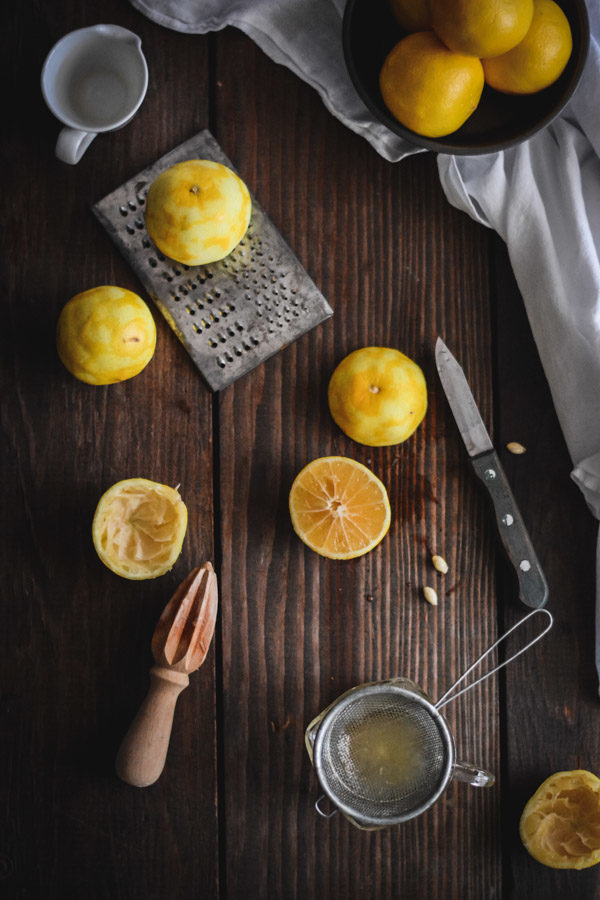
column 93, row 80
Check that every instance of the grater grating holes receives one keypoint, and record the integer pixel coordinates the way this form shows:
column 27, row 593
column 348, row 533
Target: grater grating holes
column 260, row 278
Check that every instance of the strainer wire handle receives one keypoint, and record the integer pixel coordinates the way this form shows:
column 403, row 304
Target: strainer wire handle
column 450, row 695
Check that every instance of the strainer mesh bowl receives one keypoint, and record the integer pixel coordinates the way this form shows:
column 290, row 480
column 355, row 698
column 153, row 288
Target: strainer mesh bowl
column 383, row 757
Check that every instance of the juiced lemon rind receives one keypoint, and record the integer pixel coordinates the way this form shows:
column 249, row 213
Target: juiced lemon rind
column 139, row 527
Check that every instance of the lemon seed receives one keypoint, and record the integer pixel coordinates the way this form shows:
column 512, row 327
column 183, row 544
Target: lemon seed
column 430, row 595
column 439, row 563
column 515, row 447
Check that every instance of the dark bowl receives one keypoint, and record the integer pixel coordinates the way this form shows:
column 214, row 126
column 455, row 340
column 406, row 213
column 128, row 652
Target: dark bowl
column 369, row 33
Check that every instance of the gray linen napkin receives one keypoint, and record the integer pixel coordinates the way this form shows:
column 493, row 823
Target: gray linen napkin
column 542, row 197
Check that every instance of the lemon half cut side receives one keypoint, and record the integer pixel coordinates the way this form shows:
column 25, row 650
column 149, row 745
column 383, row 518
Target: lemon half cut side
column 139, row 527
column 339, row 507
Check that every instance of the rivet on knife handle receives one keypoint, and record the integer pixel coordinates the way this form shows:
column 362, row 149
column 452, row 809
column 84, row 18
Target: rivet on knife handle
column 533, row 589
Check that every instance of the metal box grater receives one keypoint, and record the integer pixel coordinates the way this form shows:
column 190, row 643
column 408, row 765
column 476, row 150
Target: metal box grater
column 231, row 315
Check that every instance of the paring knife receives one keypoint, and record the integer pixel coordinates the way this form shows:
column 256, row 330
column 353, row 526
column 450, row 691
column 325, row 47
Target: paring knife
column 533, row 590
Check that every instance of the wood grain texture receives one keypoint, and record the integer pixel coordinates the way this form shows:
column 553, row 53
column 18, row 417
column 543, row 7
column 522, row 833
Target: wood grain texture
column 232, row 815
column 300, row 630
column 75, row 637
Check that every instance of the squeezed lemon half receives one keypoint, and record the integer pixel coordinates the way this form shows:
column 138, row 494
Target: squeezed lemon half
column 139, row 527
column 560, row 825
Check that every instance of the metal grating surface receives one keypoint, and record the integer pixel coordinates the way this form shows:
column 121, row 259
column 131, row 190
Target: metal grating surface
column 231, row 315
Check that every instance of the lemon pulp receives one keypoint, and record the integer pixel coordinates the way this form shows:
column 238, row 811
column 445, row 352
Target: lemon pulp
column 139, row 527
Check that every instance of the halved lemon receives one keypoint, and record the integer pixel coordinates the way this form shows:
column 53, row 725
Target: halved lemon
column 339, row 507
column 139, row 527
column 560, row 825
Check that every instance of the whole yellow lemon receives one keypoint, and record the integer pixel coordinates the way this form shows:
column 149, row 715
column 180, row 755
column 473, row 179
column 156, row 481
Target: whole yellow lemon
column 105, row 335
column 197, row 211
column 429, row 88
column 539, row 59
column 481, row 28
column 378, row 396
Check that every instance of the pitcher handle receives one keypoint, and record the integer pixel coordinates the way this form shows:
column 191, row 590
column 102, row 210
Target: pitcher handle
column 72, row 144
column 473, row 775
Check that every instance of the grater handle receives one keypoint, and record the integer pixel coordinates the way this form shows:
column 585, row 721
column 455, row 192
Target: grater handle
column 450, row 693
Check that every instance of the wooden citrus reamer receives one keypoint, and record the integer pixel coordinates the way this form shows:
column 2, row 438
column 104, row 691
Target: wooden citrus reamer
column 180, row 644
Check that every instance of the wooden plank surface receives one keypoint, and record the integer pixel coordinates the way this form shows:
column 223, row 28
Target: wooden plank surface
column 75, row 637
column 233, row 814
column 397, row 264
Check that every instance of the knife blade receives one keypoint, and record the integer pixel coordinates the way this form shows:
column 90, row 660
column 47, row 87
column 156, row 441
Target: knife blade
column 533, row 589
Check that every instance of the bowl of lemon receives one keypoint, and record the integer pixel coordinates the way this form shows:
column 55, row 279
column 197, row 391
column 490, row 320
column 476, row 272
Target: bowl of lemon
column 465, row 76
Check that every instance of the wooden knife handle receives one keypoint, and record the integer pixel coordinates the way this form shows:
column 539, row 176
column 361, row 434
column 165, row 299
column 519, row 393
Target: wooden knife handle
column 142, row 754
column 533, row 589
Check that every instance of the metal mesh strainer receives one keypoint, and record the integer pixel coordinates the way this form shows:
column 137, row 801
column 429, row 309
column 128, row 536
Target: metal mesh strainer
column 383, row 754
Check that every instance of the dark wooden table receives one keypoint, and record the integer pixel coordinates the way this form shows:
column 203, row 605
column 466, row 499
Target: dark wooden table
column 233, row 813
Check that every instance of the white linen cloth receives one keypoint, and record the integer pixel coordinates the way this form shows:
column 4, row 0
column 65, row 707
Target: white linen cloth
column 542, row 197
